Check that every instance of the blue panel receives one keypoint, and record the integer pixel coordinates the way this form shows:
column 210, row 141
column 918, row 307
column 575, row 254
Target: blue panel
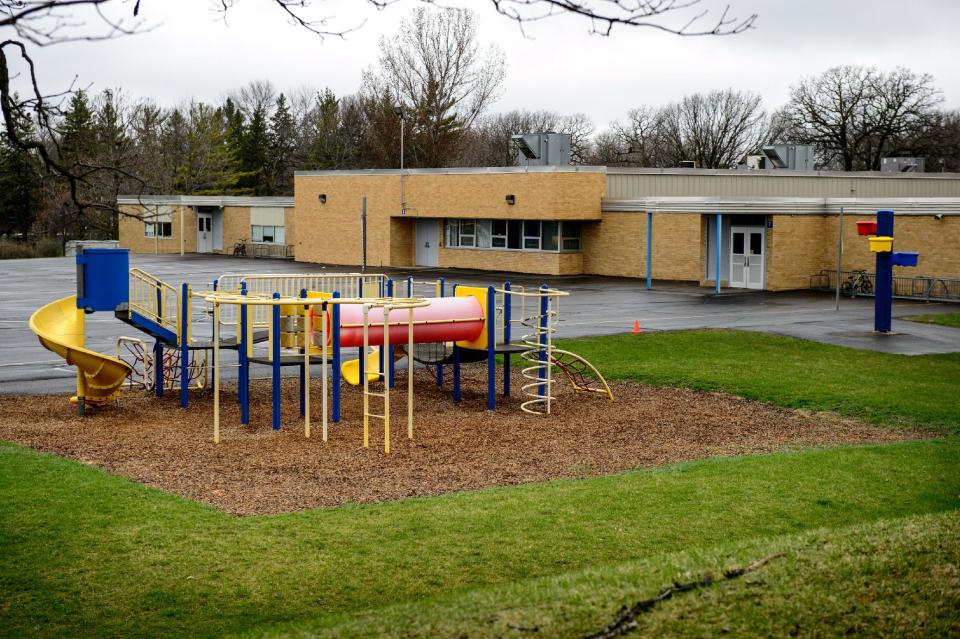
column 905, row 258
column 152, row 328
column 103, row 279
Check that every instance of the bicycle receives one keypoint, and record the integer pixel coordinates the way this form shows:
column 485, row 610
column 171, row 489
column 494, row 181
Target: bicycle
column 858, row 282
column 240, row 248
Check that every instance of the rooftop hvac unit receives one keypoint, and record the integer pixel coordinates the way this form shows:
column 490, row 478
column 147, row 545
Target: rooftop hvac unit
column 543, row 149
column 903, row 165
column 792, row 157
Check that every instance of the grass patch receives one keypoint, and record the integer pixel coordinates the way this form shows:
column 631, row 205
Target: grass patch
column 44, row 247
column 92, row 554
column 894, row 390
column 943, row 319
column 894, row 577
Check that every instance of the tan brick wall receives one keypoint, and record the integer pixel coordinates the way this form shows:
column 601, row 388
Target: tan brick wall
column 519, row 261
column 618, row 246
column 131, row 232
column 330, row 232
column 236, row 226
column 402, row 241
column 799, row 246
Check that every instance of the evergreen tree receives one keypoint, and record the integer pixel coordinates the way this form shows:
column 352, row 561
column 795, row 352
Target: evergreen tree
column 282, row 148
column 77, row 133
column 19, row 182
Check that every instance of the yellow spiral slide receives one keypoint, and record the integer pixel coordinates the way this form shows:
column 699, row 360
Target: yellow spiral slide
column 59, row 325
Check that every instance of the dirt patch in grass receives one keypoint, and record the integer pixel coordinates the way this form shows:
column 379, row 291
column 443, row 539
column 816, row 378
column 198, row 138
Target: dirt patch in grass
column 255, row 470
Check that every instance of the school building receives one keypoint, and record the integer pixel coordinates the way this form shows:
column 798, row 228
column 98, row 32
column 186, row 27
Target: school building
column 778, row 229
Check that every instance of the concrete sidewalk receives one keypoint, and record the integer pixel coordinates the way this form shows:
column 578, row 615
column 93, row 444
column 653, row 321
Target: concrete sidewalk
column 596, row 306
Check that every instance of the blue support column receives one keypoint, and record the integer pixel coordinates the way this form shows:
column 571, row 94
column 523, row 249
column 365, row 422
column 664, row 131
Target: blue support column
column 491, row 349
column 335, row 359
column 649, row 248
column 275, row 360
column 440, row 365
column 883, row 303
column 409, row 285
column 506, row 338
column 717, row 250
column 360, row 354
column 158, row 349
column 456, row 364
column 392, row 350
column 303, row 371
column 215, row 284
column 184, row 338
column 243, row 376
column 544, row 323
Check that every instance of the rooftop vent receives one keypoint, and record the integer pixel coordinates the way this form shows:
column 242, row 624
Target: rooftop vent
column 792, row 157
column 543, row 149
column 903, row 165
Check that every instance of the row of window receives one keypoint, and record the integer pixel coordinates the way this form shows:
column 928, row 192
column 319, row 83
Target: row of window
column 519, row 235
column 258, row 233
column 266, row 234
column 158, row 229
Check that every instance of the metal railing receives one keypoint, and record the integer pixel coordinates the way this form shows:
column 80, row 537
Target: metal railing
column 277, row 251
column 863, row 284
column 155, row 300
column 290, row 285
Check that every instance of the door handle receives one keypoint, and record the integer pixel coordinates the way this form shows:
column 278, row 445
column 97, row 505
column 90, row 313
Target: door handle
column 426, row 245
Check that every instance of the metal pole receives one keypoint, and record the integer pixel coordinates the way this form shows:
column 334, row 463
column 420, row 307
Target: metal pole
column 649, row 246
column 717, row 273
column 403, row 197
column 363, row 233
column 181, row 231
column 836, row 306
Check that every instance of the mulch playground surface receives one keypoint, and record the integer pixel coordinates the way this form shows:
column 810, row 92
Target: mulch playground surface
column 255, row 470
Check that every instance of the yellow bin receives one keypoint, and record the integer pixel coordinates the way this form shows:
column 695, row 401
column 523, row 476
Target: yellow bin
column 880, row 243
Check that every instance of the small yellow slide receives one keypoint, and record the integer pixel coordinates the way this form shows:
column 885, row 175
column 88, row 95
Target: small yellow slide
column 351, row 370
column 59, row 325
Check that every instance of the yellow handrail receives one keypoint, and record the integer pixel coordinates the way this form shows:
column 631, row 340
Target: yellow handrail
column 155, row 299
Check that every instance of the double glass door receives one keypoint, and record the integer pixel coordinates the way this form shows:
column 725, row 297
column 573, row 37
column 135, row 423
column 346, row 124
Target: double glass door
column 746, row 257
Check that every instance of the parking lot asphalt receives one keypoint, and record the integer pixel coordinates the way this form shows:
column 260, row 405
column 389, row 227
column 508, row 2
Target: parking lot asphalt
column 596, row 306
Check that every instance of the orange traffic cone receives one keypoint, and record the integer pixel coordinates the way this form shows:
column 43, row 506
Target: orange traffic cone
column 636, row 327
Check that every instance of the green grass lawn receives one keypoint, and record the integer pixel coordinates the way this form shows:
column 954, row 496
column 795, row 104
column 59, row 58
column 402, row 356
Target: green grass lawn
column 944, row 319
column 888, row 389
column 85, row 553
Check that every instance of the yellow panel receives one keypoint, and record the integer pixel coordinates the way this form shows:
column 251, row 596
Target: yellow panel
column 480, row 293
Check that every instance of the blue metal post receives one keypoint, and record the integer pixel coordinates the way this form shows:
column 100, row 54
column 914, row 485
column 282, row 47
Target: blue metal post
column 440, row 365
column 335, row 358
column 303, row 371
column 883, row 303
column 361, row 355
column 506, row 338
column 649, row 247
column 456, row 364
column 717, row 249
column 243, row 377
column 158, row 349
column 184, row 338
column 409, row 285
column 491, row 349
column 275, row 361
column 544, row 310
column 390, row 353
column 215, row 284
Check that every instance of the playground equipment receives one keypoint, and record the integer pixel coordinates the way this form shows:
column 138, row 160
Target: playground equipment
column 880, row 236
column 307, row 319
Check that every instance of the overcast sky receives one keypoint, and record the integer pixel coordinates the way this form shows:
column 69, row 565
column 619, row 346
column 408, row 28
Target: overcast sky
column 558, row 65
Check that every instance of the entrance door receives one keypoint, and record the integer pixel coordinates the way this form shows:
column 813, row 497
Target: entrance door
column 746, row 256
column 204, row 233
column 428, row 240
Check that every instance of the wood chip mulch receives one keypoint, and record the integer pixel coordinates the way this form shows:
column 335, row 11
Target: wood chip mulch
column 255, row 470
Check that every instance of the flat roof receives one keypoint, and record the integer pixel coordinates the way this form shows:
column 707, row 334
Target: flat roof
column 630, row 170
column 464, row 170
column 786, row 205
column 205, row 200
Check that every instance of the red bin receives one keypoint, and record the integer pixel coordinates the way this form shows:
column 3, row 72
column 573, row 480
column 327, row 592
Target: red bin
column 868, row 227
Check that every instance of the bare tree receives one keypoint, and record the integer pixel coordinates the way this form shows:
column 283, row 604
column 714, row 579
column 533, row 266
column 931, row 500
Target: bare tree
column 856, row 115
column 437, row 71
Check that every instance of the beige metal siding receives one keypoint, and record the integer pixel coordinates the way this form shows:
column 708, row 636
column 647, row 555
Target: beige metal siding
column 622, row 186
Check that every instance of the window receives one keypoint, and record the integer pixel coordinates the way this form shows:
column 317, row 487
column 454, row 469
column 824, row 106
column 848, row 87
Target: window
column 267, row 234
column 531, row 235
column 453, row 232
column 498, row 233
column 468, row 233
column 514, row 234
column 158, row 229
column 549, row 236
column 483, row 233
column 571, row 236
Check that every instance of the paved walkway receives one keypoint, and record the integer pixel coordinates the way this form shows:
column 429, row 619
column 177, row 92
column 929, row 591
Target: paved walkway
column 596, row 306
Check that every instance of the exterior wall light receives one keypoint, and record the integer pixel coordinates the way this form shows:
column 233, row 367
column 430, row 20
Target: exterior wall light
column 323, row 198
column 511, row 199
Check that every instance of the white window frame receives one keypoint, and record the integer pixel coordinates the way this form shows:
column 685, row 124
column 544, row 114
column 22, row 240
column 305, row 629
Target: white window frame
column 483, row 236
column 564, row 237
column 149, row 230
column 468, row 240
column 277, row 233
column 525, row 237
